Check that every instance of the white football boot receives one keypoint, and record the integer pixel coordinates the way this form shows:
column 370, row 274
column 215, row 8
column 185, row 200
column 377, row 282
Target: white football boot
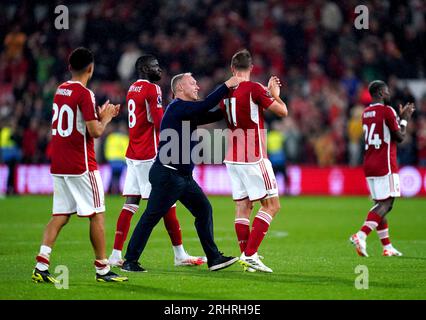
column 115, row 261
column 391, row 252
column 189, row 261
column 360, row 244
column 254, row 263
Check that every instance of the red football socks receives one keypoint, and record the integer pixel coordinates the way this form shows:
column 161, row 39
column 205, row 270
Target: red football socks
column 242, row 229
column 383, row 233
column 258, row 231
column 371, row 223
column 173, row 227
column 123, row 225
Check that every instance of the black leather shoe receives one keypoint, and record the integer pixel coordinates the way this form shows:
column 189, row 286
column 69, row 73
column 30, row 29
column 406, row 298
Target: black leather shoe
column 221, row 262
column 132, row 266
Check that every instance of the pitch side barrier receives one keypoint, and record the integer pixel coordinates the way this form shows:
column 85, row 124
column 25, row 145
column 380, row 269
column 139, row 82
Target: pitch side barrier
column 302, row 180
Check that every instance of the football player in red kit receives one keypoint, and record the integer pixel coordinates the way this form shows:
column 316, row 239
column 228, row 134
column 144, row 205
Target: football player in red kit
column 145, row 114
column 77, row 183
column 252, row 177
column 383, row 129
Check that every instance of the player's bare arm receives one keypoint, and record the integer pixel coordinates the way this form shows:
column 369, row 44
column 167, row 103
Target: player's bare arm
column 405, row 114
column 106, row 112
column 278, row 106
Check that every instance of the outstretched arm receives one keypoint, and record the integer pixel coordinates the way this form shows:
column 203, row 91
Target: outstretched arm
column 209, row 117
column 192, row 109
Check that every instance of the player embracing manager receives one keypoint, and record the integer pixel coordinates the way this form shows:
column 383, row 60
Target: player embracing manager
column 77, row 184
column 382, row 131
column 252, row 177
column 145, row 114
column 171, row 177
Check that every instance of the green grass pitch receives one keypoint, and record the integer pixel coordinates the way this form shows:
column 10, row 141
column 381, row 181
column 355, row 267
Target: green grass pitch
column 307, row 247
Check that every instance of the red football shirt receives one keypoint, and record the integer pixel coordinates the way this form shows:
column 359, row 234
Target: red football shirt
column 378, row 121
column 73, row 150
column 243, row 110
column 145, row 114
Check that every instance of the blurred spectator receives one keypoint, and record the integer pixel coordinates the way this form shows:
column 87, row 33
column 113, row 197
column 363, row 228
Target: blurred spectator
column 350, row 83
column 292, row 141
column 421, row 107
column 398, row 95
column 126, row 65
column 408, row 148
column 45, row 63
column 421, row 141
column 364, row 97
column 339, row 140
column 276, row 151
column 14, row 43
column 115, row 153
column 331, row 17
column 325, row 149
column 30, row 141
column 355, row 136
column 9, row 149
column 372, row 66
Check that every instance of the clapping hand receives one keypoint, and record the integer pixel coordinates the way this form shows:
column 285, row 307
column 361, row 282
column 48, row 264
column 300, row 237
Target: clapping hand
column 406, row 111
column 108, row 111
column 274, row 85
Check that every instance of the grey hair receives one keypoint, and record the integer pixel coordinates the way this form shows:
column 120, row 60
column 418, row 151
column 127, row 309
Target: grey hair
column 176, row 79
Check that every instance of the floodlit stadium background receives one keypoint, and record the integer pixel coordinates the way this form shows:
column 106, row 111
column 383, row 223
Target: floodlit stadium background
column 324, row 62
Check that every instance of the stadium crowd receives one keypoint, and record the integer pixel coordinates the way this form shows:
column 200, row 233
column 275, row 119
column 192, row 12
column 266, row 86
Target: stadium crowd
column 324, row 62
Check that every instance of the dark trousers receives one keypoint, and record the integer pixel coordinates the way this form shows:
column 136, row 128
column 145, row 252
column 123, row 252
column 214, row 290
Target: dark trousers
column 168, row 186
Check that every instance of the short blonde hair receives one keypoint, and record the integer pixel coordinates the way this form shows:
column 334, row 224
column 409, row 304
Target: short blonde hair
column 176, row 79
